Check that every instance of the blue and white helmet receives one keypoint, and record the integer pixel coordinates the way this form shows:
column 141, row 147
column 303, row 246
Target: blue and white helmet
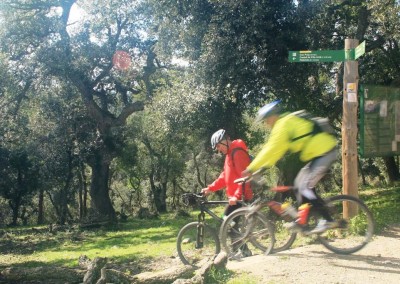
column 268, row 110
column 217, row 137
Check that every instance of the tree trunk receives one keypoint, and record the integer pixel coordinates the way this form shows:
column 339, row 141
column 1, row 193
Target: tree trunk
column 99, row 190
column 159, row 195
column 163, row 198
column 65, row 191
column 63, row 206
column 14, row 205
column 82, row 192
column 361, row 171
column 16, row 200
column 85, row 192
column 40, row 219
column 151, row 197
column 392, row 169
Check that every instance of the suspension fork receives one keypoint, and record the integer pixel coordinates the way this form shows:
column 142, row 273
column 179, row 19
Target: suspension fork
column 200, row 230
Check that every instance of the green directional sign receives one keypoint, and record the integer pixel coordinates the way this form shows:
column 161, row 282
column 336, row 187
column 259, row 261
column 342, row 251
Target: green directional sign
column 359, row 50
column 327, row 55
column 317, row 56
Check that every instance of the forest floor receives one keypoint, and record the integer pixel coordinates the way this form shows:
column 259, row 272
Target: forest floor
column 378, row 262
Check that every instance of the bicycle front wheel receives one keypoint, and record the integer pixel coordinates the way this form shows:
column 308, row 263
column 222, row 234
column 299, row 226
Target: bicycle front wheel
column 195, row 242
column 348, row 234
column 241, row 230
column 284, row 237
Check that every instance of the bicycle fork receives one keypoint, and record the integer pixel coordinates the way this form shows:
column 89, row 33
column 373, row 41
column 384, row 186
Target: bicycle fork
column 200, row 231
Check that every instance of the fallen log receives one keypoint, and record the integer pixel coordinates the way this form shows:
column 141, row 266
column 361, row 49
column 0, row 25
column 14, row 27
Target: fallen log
column 47, row 274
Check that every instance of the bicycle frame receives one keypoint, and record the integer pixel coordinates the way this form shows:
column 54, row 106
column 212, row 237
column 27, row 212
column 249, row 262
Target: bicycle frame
column 201, row 219
column 334, row 234
column 198, row 238
column 273, row 203
column 204, row 209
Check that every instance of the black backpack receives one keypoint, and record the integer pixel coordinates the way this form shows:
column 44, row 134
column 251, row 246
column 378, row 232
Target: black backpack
column 321, row 124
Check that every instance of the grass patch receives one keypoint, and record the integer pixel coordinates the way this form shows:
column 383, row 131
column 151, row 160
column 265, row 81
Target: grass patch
column 135, row 241
column 131, row 241
column 222, row 276
column 384, row 204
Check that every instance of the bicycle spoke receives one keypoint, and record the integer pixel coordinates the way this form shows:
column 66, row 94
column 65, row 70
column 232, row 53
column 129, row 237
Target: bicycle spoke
column 348, row 234
column 190, row 250
column 284, row 238
column 241, row 229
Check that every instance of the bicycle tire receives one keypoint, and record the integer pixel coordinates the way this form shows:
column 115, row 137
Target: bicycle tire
column 186, row 243
column 234, row 228
column 284, row 237
column 352, row 234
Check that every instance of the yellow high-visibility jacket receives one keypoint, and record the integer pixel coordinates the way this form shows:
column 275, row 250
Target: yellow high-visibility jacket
column 292, row 133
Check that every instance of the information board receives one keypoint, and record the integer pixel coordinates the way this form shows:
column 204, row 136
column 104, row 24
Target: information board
column 379, row 121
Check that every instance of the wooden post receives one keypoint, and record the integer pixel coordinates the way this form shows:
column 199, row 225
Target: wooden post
column 349, row 128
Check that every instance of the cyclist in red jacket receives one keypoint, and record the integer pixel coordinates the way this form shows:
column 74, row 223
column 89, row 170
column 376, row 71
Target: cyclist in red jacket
column 236, row 161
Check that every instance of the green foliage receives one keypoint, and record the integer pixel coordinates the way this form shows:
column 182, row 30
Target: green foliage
column 358, row 225
column 218, row 275
column 19, row 170
column 384, row 204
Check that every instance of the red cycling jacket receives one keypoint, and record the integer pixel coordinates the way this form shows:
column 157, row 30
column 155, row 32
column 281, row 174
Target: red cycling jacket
column 233, row 170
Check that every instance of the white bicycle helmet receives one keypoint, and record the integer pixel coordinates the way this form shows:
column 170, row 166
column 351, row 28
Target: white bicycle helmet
column 217, row 137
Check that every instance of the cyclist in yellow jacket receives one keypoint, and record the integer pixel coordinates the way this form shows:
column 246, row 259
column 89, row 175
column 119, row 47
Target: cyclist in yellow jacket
column 297, row 135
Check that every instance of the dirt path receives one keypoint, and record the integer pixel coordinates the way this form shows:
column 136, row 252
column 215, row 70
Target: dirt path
column 378, row 262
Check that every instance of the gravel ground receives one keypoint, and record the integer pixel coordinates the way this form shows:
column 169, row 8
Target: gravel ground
column 378, row 262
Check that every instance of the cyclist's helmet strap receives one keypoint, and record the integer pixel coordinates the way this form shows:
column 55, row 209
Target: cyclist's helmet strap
column 217, row 137
column 269, row 110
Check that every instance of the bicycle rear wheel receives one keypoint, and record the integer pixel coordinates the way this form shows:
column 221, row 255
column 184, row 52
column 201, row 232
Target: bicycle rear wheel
column 190, row 251
column 241, row 230
column 348, row 234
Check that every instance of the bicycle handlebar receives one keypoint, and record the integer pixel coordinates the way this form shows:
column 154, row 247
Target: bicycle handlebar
column 242, row 179
column 190, row 198
column 247, row 178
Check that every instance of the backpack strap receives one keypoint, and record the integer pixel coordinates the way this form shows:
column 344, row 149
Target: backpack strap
column 234, row 150
column 233, row 153
column 305, row 115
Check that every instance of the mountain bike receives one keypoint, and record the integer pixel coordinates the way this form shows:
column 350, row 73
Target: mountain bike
column 199, row 240
column 348, row 233
column 283, row 238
